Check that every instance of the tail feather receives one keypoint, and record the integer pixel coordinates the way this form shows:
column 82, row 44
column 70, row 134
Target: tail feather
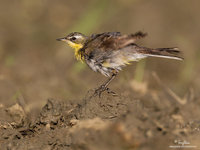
column 170, row 53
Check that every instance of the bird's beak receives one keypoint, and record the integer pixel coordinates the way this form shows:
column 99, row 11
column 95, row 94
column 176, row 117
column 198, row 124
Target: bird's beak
column 61, row 39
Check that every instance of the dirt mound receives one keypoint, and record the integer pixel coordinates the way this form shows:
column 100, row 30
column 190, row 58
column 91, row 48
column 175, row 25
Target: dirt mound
column 106, row 123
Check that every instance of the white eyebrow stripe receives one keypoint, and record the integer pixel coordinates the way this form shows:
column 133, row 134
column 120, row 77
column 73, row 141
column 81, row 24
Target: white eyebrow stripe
column 78, row 36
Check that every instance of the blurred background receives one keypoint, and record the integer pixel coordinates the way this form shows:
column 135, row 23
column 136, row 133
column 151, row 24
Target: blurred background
column 33, row 65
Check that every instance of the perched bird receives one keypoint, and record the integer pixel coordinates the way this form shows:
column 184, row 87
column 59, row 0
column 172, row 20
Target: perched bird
column 108, row 52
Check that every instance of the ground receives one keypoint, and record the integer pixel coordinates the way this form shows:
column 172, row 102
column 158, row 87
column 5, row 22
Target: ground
column 122, row 122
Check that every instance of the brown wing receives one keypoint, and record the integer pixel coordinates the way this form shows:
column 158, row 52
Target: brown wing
column 111, row 41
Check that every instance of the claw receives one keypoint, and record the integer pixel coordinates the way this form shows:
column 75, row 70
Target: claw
column 111, row 92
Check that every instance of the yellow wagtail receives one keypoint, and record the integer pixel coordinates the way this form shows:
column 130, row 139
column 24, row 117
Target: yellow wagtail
column 108, row 52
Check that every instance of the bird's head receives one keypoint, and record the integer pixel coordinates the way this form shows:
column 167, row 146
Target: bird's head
column 75, row 40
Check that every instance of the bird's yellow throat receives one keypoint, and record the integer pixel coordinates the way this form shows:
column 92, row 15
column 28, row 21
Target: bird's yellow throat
column 76, row 47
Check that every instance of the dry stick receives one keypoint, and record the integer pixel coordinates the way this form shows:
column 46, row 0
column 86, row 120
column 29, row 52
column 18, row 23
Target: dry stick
column 169, row 91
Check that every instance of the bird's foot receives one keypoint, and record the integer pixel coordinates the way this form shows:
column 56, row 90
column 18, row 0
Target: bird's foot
column 101, row 89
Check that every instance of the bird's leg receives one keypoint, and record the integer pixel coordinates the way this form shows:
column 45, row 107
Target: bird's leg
column 104, row 86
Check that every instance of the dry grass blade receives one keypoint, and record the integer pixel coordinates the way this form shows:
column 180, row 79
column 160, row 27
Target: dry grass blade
column 180, row 100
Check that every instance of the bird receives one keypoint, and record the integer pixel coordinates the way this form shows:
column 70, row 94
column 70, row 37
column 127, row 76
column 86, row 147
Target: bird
column 108, row 52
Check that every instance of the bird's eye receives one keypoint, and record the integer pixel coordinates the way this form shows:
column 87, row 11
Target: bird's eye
column 73, row 38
